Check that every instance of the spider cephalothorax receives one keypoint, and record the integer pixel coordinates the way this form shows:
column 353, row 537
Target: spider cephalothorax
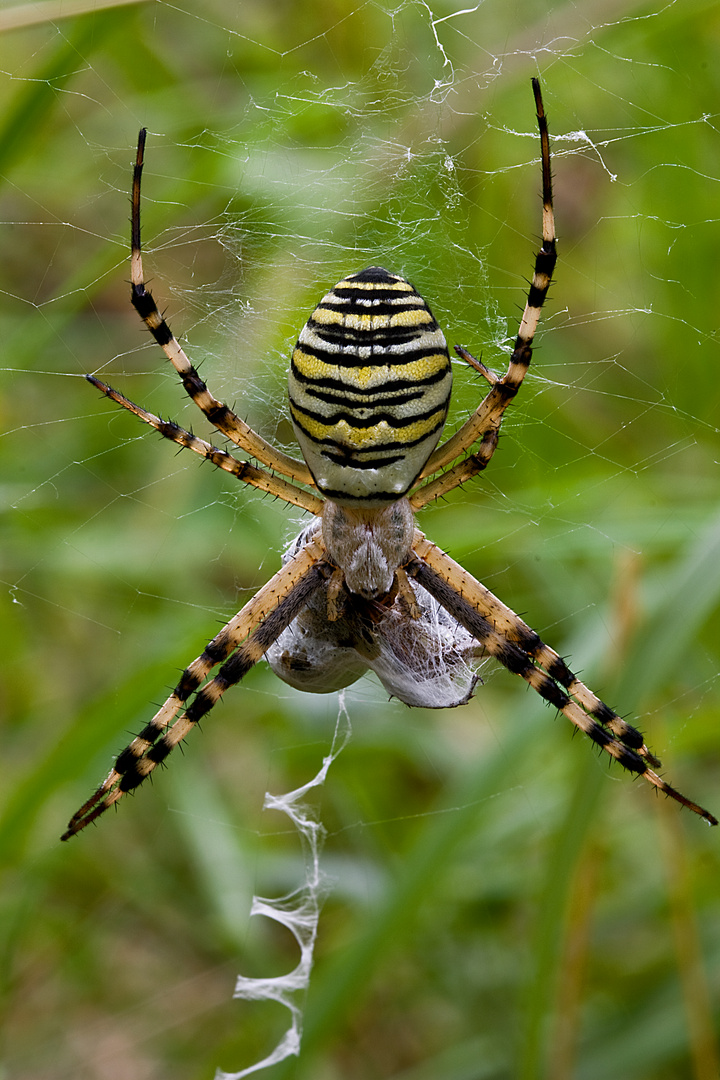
column 361, row 587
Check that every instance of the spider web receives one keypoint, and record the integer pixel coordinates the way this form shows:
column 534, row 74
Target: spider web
column 299, row 911
column 281, row 157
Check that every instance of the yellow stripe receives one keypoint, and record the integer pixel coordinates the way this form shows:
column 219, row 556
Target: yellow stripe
column 399, row 285
column 385, row 372
column 346, row 435
column 353, row 321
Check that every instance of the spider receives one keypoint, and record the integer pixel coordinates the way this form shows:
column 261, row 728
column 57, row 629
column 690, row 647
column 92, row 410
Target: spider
column 361, row 587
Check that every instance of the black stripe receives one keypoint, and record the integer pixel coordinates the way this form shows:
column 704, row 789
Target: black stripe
column 536, row 297
column 374, row 308
column 348, row 462
column 381, row 339
column 521, row 356
column 345, row 396
column 372, row 496
column 369, row 421
column 376, row 274
column 144, row 304
column 385, row 446
column 379, row 292
column 546, row 258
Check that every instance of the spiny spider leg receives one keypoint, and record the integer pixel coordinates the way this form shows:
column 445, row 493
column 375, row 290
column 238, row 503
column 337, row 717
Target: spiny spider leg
column 223, row 418
column 516, row 659
column 484, row 424
column 242, row 470
column 513, row 629
column 257, row 626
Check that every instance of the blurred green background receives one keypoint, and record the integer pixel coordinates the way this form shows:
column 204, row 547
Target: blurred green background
column 503, row 903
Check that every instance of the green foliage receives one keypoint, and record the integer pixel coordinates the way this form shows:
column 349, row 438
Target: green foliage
column 504, row 904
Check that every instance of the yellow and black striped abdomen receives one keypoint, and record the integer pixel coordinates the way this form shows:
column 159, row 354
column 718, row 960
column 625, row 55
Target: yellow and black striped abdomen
column 370, row 384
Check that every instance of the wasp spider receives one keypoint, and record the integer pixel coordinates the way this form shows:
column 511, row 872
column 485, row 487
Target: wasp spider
column 361, row 587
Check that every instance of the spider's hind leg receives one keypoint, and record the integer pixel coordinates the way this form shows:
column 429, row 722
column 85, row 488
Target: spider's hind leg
column 238, row 646
column 506, row 637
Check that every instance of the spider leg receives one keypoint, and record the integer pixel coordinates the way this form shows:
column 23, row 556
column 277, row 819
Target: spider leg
column 242, row 470
column 477, row 365
column 223, row 418
column 238, row 646
column 513, row 629
column 505, row 637
column 484, row 425
column 460, row 472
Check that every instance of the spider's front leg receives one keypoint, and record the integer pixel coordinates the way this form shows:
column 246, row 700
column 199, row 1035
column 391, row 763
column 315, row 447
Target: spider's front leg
column 483, row 426
column 222, row 417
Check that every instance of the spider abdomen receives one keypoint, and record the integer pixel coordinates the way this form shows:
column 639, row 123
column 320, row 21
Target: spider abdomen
column 369, row 388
